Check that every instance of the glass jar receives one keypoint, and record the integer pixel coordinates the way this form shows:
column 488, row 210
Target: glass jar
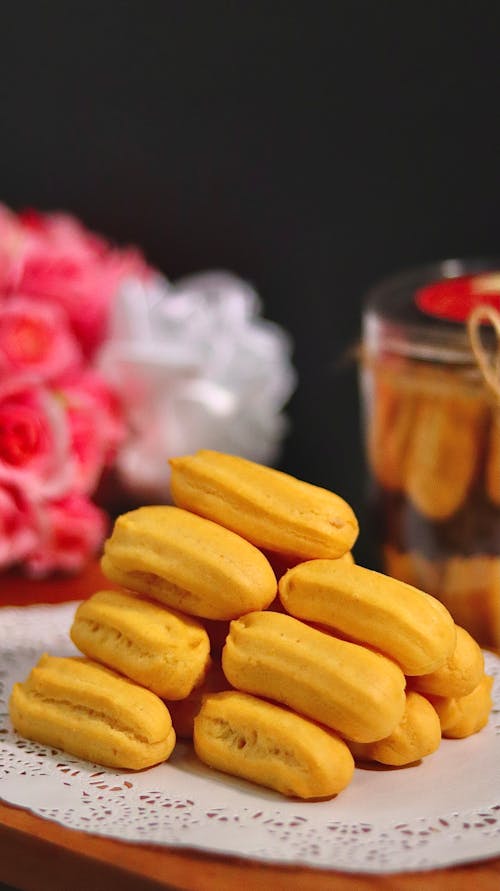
column 432, row 435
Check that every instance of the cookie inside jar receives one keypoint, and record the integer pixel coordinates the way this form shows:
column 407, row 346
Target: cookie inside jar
column 431, row 419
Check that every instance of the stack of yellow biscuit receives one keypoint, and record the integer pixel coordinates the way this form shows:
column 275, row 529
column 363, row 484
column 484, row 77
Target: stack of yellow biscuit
column 344, row 664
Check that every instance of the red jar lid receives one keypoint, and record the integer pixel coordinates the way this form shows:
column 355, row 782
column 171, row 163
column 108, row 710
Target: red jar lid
column 454, row 299
column 422, row 312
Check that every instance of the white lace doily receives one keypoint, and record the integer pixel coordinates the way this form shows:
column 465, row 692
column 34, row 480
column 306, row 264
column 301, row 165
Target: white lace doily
column 443, row 811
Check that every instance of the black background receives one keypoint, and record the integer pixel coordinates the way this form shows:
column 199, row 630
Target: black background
column 310, row 147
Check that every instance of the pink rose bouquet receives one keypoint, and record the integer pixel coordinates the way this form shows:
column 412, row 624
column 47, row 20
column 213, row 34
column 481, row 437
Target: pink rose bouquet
column 104, row 362
column 60, row 422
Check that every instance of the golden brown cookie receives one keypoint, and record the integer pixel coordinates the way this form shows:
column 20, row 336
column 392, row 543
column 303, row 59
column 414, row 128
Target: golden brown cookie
column 417, row 735
column 462, row 716
column 493, row 460
column 390, row 427
column 412, row 568
column 351, row 689
column 90, row 711
column 443, row 453
column 269, row 745
column 188, row 563
column 161, row 649
column 470, row 589
column 461, row 672
column 411, row 627
column 274, row 510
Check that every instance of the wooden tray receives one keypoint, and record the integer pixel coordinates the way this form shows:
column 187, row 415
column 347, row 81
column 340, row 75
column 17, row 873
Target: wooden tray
column 38, row 855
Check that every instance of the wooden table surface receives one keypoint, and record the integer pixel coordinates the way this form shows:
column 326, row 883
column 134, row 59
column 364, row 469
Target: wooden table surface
column 39, row 855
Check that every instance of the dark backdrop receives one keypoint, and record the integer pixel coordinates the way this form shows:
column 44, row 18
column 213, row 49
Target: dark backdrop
column 310, row 147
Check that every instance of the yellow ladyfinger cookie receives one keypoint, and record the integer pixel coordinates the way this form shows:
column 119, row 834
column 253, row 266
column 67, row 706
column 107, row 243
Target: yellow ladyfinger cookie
column 188, row 563
column 411, row 627
column 91, row 712
column 461, row 672
column 390, row 426
column 351, row 689
column 273, row 510
column 413, row 568
column 162, row 649
column 443, row 452
column 462, row 716
column 262, row 742
column 418, row 734
column 493, row 461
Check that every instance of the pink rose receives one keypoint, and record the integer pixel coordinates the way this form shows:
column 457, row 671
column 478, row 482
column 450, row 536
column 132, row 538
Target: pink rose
column 64, row 231
column 18, row 526
column 96, row 427
column 35, row 338
column 34, row 441
column 64, row 263
column 72, row 531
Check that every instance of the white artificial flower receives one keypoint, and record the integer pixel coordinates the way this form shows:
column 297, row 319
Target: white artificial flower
column 197, row 367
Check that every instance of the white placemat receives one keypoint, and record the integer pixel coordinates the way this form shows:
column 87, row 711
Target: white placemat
column 443, row 811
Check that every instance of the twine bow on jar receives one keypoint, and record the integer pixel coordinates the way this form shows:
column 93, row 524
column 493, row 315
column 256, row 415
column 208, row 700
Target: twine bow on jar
column 488, row 363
